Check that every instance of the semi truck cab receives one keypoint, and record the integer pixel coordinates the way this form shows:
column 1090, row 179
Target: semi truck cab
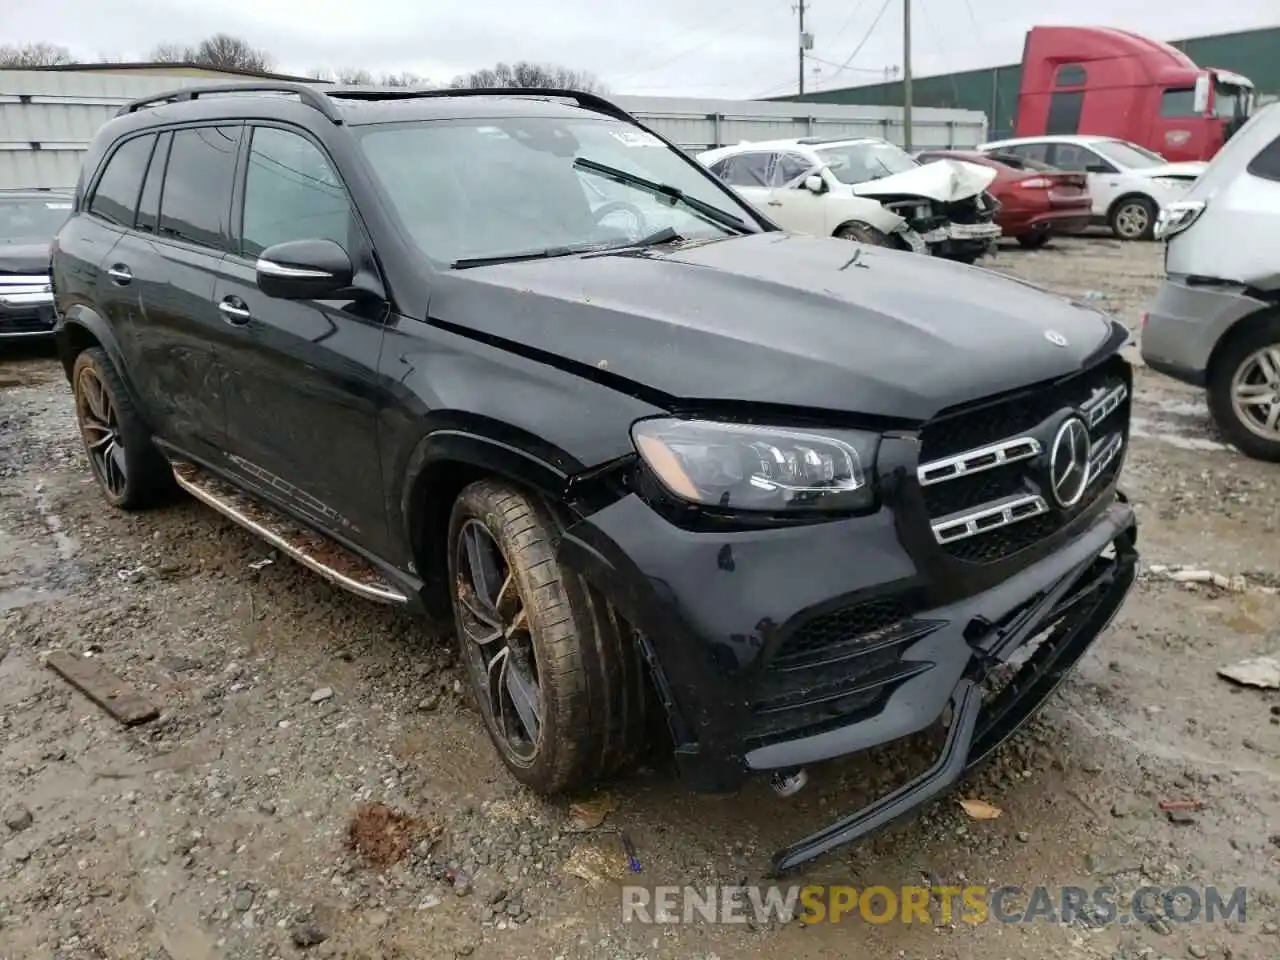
column 1106, row 82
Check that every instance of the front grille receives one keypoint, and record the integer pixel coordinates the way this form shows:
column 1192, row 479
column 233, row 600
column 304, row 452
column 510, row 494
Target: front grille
column 984, row 469
column 26, row 321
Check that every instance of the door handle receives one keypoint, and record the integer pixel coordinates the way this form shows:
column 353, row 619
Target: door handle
column 120, row 274
column 234, row 311
column 774, row 203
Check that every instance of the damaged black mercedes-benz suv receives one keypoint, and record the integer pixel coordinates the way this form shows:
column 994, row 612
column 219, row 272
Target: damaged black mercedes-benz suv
column 515, row 357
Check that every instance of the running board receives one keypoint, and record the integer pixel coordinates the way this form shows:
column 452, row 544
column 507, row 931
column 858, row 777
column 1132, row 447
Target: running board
column 314, row 551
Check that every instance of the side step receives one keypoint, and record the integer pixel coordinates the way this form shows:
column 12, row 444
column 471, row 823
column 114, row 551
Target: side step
column 327, row 558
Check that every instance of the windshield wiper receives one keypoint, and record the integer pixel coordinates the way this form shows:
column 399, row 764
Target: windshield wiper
column 709, row 211
column 545, row 253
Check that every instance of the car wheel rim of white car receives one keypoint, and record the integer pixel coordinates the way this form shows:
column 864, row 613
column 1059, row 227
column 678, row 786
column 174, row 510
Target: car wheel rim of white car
column 1255, row 392
column 1132, row 219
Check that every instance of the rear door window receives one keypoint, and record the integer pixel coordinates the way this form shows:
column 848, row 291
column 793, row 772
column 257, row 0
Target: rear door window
column 750, row 170
column 149, row 203
column 195, row 203
column 116, row 196
column 1028, row 151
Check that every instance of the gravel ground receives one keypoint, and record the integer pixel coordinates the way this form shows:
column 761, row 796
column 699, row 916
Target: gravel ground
column 316, row 784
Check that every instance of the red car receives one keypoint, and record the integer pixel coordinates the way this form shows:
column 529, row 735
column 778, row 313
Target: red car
column 1036, row 200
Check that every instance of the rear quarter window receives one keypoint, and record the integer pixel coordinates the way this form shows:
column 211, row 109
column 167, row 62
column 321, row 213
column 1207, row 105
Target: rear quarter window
column 1267, row 162
column 115, row 198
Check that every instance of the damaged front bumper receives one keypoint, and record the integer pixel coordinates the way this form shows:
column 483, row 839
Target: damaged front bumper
column 775, row 649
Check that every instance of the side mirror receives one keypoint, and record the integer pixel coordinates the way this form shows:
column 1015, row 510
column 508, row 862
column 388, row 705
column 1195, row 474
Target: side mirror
column 815, row 184
column 304, row 270
column 1200, row 99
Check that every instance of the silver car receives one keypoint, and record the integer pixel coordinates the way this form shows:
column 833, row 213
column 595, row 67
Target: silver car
column 1215, row 321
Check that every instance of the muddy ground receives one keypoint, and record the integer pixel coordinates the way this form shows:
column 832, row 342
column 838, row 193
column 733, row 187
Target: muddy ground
column 221, row 828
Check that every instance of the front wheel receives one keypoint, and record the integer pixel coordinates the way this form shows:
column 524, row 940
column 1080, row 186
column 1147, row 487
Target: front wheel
column 1134, row 219
column 864, row 233
column 557, row 678
column 1033, row 241
column 1244, row 391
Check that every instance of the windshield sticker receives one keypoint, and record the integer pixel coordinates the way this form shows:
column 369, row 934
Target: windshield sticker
column 635, row 138
column 58, row 206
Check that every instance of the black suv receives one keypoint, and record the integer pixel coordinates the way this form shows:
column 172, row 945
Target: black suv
column 513, row 356
column 28, row 221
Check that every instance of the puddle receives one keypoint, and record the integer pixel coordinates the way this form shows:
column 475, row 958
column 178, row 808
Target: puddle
column 38, row 563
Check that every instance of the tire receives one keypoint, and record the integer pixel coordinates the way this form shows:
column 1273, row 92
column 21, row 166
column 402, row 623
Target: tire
column 863, row 233
column 131, row 473
column 1237, row 362
column 968, row 259
column 1133, row 218
column 1032, row 241
column 591, row 681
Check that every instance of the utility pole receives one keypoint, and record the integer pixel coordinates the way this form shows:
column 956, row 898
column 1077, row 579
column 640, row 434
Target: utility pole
column 906, row 74
column 802, row 48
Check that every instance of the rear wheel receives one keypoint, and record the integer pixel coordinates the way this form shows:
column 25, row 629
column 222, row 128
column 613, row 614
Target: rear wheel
column 556, row 676
column 1134, row 218
column 1244, row 390
column 1033, row 241
column 131, row 472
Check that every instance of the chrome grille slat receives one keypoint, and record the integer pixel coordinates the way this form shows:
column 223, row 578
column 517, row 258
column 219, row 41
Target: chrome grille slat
column 975, row 461
column 991, row 516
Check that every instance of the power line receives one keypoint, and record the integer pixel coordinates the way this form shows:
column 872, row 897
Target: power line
column 720, row 14
column 867, row 36
column 879, row 71
column 848, row 21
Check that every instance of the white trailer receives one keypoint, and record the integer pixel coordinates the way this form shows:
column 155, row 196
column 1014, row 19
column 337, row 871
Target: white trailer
column 48, row 117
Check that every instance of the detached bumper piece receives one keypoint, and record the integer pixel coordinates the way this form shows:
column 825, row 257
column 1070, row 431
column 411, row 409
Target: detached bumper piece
column 1061, row 623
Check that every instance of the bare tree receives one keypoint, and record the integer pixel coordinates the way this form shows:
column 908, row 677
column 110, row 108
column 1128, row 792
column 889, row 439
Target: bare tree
column 219, row 52
column 170, row 53
column 525, row 74
column 361, row 77
column 223, row 51
column 34, row 55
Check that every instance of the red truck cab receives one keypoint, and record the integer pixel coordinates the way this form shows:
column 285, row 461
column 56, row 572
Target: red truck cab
column 1105, row 82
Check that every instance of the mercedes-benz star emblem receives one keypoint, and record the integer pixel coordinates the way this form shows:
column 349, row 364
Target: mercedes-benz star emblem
column 1054, row 337
column 1069, row 462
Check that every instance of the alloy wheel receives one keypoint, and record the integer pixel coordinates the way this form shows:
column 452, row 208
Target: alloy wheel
column 496, row 641
column 1132, row 220
column 1255, row 392
column 101, row 431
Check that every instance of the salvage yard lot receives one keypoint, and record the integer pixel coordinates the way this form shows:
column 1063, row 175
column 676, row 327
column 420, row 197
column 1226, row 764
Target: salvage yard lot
column 289, row 710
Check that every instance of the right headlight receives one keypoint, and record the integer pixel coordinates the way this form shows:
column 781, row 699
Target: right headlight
column 746, row 467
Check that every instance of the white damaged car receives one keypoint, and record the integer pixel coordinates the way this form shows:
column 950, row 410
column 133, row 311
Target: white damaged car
column 865, row 189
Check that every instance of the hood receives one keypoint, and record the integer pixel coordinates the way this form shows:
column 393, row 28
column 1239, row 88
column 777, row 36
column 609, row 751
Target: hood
column 942, row 180
column 775, row 318
column 24, row 258
column 1190, row 169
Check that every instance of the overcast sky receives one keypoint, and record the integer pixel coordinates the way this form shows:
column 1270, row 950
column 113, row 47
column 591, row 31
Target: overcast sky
column 714, row 48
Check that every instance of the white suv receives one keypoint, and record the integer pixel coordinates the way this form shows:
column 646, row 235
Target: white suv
column 864, row 189
column 1129, row 184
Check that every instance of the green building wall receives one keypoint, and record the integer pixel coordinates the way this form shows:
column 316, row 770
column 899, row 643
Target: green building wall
column 994, row 90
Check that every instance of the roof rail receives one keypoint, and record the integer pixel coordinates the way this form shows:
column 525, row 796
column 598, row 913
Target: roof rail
column 306, row 93
column 322, row 100
column 588, row 101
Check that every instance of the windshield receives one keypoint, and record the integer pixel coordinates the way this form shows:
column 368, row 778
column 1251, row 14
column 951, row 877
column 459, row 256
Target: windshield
column 1127, row 155
column 1230, row 101
column 865, row 160
column 31, row 221
column 475, row 188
